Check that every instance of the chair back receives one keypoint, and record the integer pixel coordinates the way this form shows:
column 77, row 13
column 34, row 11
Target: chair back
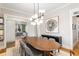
column 45, row 38
column 27, row 50
column 52, row 39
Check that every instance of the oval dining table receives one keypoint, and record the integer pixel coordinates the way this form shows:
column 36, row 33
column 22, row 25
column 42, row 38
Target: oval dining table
column 42, row 44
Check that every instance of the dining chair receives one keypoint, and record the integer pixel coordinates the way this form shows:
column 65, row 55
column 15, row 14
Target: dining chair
column 52, row 39
column 54, row 51
column 35, row 51
column 28, row 50
column 24, row 50
column 45, row 38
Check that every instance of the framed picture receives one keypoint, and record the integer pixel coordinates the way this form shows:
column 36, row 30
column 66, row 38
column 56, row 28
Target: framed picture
column 52, row 25
column 1, row 32
column 1, row 20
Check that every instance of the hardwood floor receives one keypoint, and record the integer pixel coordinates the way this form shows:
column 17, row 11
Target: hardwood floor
column 12, row 44
column 2, row 50
column 76, row 49
column 9, row 45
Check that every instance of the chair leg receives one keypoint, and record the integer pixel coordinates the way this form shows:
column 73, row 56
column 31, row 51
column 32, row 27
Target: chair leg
column 22, row 52
column 58, row 50
column 45, row 53
column 50, row 53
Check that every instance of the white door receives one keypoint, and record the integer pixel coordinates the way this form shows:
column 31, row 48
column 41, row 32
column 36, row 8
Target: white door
column 10, row 30
column 78, row 29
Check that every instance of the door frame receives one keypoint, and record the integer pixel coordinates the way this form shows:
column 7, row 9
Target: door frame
column 71, row 15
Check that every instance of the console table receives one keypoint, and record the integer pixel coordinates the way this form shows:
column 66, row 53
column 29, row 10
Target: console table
column 57, row 38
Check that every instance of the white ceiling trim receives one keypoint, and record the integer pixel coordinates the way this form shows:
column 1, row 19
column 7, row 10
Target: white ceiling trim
column 14, row 10
column 60, row 8
column 17, row 18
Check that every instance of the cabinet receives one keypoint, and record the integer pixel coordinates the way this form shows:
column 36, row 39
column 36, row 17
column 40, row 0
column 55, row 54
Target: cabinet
column 1, row 29
column 57, row 38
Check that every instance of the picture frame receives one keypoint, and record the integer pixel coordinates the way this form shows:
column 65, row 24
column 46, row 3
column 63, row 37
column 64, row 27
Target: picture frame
column 1, row 20
column 1, row 28
column 52, row 25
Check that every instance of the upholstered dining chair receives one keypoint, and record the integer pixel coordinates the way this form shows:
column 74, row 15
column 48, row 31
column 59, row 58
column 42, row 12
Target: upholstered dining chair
column 28, row 50
column 45, row 38
column 35, row 51
column 54, row 51
column 24, row 50
column 52, row 39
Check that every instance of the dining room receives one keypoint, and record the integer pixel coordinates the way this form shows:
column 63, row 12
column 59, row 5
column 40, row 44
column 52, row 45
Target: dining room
column 37, row 29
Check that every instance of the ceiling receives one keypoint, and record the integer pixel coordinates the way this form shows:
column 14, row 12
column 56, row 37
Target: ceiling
column 28, row 8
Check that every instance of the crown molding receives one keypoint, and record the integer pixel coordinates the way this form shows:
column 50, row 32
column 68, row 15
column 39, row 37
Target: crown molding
column 14, row 10
column 60, row 8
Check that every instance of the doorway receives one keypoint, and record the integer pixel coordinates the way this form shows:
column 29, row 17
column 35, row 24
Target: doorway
column 75, row 27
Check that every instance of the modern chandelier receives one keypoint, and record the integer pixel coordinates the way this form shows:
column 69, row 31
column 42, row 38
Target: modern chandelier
column 38, row 16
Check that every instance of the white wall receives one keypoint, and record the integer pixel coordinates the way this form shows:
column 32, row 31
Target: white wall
column 30, row 29
column 64, row 28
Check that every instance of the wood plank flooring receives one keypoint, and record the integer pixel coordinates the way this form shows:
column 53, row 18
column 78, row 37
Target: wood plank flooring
column 2, row 50
column 12, row 44
column 76, row 49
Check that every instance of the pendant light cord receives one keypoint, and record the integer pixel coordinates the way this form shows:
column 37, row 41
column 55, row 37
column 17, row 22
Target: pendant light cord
column 38, row 10
column 34, row 8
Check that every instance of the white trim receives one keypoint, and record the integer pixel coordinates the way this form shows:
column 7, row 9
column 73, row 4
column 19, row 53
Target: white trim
column 19, row 18
column 70, row 17
column 18, row 11
column 60, row 7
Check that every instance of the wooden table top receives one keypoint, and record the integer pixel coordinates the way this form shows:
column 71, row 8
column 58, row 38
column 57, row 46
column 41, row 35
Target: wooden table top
column 42, row 44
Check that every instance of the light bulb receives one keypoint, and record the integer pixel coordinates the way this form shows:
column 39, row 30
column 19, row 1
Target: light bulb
column 31, row 19
column 35, row 16
column 36, row 20
column 41, row 21
column 33, row 23
column 42, row 17
column 41, row 11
